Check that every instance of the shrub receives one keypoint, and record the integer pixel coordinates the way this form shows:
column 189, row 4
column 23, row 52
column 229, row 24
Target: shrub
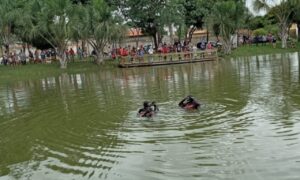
column 260, row 32
column 272, row 29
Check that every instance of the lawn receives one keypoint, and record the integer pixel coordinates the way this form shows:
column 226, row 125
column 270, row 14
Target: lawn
column 252, row 50
column 31, row 71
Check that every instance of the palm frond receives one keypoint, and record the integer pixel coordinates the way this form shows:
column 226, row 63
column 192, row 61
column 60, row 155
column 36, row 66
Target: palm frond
column 261, row 5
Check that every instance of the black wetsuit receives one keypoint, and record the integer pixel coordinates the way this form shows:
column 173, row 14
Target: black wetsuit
column 147, row 110
column 189, row 103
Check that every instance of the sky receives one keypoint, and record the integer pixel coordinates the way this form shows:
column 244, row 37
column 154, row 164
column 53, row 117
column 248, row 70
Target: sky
column 249, row 4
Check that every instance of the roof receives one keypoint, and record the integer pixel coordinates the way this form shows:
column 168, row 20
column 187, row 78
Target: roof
column 134, row 32
column 200, row 32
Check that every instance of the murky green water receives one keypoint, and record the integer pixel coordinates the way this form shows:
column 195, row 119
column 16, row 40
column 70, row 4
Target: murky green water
column 84, row 126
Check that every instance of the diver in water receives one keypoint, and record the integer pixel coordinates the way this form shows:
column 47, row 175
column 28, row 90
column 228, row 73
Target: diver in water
column 155, row 108
column 148, row 110
column 189, row 103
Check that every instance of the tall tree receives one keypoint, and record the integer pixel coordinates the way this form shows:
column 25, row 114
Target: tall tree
column 10, row 12
column 282, row 11
column 195, row 12
column 143, row 14
column 24, row 25
column 97, row 25
column 53, row 20
column 171, row 15
column 229, row 15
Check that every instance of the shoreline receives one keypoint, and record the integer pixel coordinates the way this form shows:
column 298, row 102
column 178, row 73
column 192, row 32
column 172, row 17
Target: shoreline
column 253, row 50
column 32, row 71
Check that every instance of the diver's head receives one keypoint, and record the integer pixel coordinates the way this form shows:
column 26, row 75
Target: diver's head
column 146, row 103
column 189, row 99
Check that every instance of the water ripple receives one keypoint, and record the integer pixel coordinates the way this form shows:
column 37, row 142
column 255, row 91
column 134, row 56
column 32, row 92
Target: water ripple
column 85, row 126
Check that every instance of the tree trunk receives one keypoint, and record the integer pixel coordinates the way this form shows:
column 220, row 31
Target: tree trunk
column 28, row 47
column 284, row 35
column 227, row 46
column 171, row 33
column 6, row 49
column 98, row 58
column 2, row 51
column 159, row 38
column 284, row 41
column 83, row 48
column 207, row 35
column 62, row 59
column 190, row 34
column 24, row 47
column 217, row 37
column 155, row 41
column 179, row 32
column 137, row 39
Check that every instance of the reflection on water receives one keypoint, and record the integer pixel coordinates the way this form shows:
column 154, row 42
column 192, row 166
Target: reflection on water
column 84, row 126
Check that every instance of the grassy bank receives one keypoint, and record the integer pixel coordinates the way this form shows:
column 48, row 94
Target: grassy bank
column 252, row 50
column 31, row 71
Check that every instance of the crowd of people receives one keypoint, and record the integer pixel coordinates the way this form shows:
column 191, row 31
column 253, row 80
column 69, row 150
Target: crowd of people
column 38, row 56
column 258, row 39
column 163, row 48
column 48, row 55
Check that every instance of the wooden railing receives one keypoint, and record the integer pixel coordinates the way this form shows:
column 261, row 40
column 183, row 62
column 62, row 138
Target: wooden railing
column 169, row 58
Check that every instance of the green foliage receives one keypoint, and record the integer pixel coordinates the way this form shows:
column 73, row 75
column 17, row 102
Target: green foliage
column 10, row 13
column 38, row 42
column 262, row 49
column 195, row 12
column 257, row 22
column 229, row 14
column 52, row 21
column 181, row 31
column 96, row 24
column 216, row 29
column 273, row 29
column 260, row 32
column 151, row 15
column 283, row 13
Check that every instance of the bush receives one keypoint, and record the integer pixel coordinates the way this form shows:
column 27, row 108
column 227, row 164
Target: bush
column 272, row 29
column 260, row 32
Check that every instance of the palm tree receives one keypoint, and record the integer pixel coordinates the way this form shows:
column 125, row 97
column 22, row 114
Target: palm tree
column 171, row 14
column 51, row 20
column 229, row 16
column 282, row 12
column 10, row 12
column 98, row 27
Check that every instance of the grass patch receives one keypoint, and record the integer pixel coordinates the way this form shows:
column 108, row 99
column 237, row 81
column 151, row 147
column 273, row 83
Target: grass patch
column 37, row 71
column 252, row 50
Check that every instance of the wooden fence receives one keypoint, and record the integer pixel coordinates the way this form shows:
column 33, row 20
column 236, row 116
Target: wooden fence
column 167, row 59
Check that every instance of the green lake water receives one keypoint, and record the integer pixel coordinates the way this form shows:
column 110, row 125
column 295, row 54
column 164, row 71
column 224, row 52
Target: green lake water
column 84, row 125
